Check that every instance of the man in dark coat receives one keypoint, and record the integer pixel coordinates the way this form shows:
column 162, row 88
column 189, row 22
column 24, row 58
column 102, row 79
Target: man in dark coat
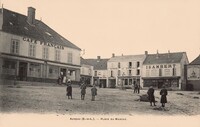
column 135, row 87
column 83, row 91
column 151, row 96
column 93, row 92
column 163, row 94
column 138, row 87
column 69, row 91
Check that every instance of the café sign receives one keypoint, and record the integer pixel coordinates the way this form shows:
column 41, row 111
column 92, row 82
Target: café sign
column 30, row 40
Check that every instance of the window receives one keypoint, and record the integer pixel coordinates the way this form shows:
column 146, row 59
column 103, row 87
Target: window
column 138, row 72
column 34, row 70
column 15, row 46
column 174, row 72
column 45, row 52
column 32, row 50
column 119, row 65
column 130, row 81
column 138, row 64
column 119, row 72
column 130, row 72
column 70, row 58
column 160, row 72
column 8, row 67
column 95, row 73
column 9, row 64
column 111, row 73
column 130, row 64
column 53, row 71
column 57, row 57
column 125, row 81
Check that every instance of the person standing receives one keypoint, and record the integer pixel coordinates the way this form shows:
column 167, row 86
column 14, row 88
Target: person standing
column 69, row 90
column 83, row 91
column 163, row 94
column 135, row 87
column 151, row 96
column 138, row 87
column 93, row 92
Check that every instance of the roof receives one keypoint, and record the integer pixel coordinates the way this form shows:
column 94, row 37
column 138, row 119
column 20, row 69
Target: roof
column 164, row 58
column 17, row 24
column 127, row 58
column 98, row 64
column 196, row 61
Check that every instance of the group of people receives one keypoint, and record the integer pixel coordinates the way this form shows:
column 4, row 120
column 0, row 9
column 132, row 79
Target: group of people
column 83, row 91
column 150, row 93
column 151, row 97
column 136, row 87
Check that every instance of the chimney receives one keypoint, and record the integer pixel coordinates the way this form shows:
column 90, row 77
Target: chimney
column 113, row 55
column 31, row 15
column 157, row 55
column 168, row 53
column 146, row 52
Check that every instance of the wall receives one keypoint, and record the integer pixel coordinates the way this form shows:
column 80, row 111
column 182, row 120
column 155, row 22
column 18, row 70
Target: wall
column 24, row 49
column 86, row 70
column 193, row 76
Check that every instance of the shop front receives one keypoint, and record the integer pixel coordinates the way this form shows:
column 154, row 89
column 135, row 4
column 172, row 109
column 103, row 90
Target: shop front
column 158, row 82
column 35, row 70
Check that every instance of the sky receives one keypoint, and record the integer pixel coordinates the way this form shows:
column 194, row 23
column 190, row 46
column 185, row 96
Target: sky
column 128, row 27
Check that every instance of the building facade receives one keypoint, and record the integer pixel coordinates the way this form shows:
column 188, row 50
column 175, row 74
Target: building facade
column 32, row 51
column 125, row 70
column 193, row 75
column 86, row 72
column 165, row 69
column 100, row 72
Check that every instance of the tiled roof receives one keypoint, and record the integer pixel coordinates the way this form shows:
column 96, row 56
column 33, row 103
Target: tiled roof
column 17, row 24
column 196, row 61
column 98, row 64
column 164, row 58
column 127, row 58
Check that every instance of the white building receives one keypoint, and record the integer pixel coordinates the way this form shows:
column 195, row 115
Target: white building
column 32, row 51
column 125, row 70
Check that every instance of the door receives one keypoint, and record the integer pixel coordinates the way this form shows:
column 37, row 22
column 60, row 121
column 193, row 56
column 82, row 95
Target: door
column 22, row 71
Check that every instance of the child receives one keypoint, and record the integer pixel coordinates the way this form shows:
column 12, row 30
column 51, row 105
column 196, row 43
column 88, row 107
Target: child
column 83, row 91
column 69, row 90
column 94, row 92
column 163, row 94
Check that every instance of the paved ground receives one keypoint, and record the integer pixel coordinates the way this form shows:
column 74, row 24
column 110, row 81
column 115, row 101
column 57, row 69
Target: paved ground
column 52, row 99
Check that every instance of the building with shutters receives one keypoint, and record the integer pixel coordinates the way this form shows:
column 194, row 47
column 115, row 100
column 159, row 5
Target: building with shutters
column 32, row 51
column 125, row 70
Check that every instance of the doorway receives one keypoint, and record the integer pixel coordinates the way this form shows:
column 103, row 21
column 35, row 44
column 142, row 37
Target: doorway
column 22, row 71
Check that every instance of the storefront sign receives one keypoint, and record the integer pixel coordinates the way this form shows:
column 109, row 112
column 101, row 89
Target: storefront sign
column 30, row 40
column 193, row 73
column 160, row 66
